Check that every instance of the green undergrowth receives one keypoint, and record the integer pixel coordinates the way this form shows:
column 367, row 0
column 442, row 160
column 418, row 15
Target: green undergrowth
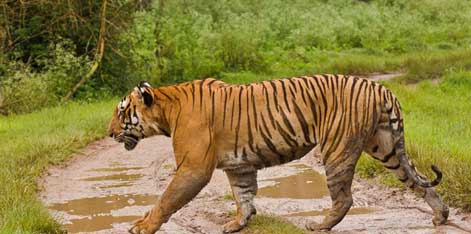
column 31, row 142
column 265, row 224
column 415, row 66
column 437, row 130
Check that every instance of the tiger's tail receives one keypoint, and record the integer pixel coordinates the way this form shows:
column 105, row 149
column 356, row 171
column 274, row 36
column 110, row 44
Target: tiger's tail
column 400, row 148
column 410, row 169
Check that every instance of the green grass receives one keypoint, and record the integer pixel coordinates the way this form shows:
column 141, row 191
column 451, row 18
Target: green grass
column 416, row 66
column 437, row 130
column 228, row 197
column 31, row 142
column 265, row 224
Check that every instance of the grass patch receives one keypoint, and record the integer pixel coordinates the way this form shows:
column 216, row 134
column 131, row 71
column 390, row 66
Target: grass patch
column 424, row 66
column 437, row 131
column 31, row 142
column 265, row 224
column 416, row 66
column 228, row 197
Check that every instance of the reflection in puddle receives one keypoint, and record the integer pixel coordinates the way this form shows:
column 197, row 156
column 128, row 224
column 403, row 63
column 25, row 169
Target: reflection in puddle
column 97, row 210
column 117, row 185
column 308, row 184
column 97, row 223
column 101, row 205
column 421, row 227
column 96, row 213
column 116, row 169
column 352, row 211
column 120, row 177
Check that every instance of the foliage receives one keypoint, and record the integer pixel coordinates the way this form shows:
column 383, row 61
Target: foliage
column 25, row 90
column 166, row 42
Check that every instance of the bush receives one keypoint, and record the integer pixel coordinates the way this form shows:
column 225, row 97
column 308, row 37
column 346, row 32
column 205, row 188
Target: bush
column 25, row 90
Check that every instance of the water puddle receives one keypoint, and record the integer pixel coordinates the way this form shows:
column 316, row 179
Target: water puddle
column 308, row 184
column 352, row 211
column 97, row 211
column 119, row 177
column 116, row 169
column 421, row 227
column 97, row 223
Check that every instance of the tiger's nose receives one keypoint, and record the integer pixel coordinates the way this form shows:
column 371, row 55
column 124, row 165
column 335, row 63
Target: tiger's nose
column 111, row 135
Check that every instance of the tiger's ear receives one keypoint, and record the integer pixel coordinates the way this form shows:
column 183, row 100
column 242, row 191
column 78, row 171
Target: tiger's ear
column 145, row 90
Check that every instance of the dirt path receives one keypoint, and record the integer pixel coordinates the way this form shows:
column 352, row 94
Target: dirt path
column 106, row 187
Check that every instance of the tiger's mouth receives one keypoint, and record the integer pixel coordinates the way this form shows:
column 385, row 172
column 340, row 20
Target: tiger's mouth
column 130, row 141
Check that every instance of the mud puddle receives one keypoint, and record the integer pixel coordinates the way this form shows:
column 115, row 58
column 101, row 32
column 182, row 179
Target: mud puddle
column 323, row 212
column 307, row 184
column 97, row 213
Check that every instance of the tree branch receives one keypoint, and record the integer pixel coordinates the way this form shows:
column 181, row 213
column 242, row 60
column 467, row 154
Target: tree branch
column 98, row 54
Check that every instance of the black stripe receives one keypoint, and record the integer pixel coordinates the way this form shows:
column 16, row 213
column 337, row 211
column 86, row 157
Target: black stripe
column 388, row 156
column 254, row 108
column 238, row 120
column 193, row 93
column 213, row 106
column 266, row 127
column 287, row 123
column 302, row 122
column 272, row 147
column 270, row 114
column 164, row 94
column 286, row 137
column 201, row 94
column 225, row 104
column 262, row 157
column 275, row 94
column 285, row 97
column 395, row 167
column 403, row 180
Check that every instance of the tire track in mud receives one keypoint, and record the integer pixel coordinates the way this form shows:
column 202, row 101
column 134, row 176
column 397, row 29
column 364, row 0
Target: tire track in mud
column 106, row 187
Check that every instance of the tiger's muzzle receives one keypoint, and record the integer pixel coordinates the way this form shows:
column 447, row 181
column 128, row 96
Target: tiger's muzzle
column 130, row 141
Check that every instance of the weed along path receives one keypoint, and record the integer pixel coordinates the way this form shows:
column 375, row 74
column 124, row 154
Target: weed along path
column 106, row 187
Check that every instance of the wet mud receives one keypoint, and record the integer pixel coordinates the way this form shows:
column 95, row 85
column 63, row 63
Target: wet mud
column 104, row 189
column 307, row 184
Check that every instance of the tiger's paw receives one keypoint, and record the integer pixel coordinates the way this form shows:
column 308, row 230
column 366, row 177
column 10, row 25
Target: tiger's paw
column 313, row 226
column 440, row 218
column 144, row 226
column 232, row 226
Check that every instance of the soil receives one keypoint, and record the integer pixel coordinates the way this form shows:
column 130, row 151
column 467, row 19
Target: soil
column 104, row 188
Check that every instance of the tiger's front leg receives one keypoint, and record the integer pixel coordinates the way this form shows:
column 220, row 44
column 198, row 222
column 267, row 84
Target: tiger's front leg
column 185, row 185
column 244, row 188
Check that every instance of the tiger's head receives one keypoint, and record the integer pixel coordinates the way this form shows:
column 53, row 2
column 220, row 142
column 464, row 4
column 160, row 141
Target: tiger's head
column 136, row 117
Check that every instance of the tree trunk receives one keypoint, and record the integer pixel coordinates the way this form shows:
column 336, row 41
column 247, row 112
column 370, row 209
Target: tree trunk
column 100, row 49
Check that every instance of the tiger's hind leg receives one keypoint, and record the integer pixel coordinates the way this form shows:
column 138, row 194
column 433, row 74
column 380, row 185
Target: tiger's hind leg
column 340, row 167
column 382, row 147
column 244, row 188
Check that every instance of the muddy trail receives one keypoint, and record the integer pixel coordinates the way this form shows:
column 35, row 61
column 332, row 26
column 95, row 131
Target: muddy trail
column 104, row 188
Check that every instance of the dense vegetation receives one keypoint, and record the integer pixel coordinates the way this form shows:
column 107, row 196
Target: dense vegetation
column 48, row 47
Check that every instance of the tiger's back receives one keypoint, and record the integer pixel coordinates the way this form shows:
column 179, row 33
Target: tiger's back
column 274, row 122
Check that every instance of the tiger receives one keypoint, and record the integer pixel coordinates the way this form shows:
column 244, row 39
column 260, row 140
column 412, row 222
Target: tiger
column 243, row 128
